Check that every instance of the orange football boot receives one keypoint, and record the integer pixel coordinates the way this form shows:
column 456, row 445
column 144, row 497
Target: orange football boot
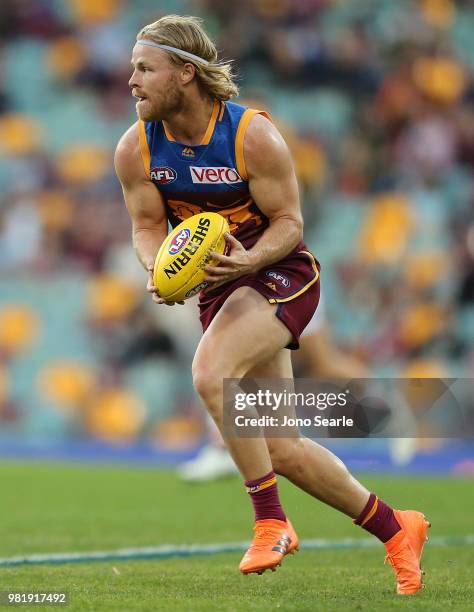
column 273, row 540
column 405, row 548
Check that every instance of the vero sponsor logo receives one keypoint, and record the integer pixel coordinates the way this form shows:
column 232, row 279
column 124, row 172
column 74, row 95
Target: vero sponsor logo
column 214, row 175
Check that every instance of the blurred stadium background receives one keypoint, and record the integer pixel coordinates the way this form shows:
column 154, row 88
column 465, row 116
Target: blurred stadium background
column 375, row 99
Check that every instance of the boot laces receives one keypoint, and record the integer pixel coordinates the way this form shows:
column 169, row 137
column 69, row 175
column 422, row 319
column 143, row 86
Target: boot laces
column 264, row 537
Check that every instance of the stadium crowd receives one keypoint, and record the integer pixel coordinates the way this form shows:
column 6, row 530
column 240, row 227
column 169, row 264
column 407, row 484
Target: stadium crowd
column 375, row 101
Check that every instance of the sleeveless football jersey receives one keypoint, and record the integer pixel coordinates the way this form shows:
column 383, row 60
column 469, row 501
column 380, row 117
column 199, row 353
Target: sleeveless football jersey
column 209, row 177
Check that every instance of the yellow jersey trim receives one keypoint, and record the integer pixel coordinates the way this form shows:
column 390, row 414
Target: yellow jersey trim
column 212, row 124
column 168, row 134
column 206, row 139
column 303, row 289
column 144, row 148
column 240, row 136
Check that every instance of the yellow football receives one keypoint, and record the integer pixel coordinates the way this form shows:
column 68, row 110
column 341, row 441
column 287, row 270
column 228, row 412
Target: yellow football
column 179, row 266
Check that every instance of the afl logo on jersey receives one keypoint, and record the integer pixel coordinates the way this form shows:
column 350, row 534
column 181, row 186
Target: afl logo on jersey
column 163, row 175
column 280, row 278
column 179, row 241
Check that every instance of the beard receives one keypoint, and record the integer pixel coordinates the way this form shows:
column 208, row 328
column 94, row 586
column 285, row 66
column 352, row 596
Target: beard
column 169, row 102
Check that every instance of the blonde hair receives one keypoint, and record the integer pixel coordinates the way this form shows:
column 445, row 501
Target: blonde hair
column 186, row 33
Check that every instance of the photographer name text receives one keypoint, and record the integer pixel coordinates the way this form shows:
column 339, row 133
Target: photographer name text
column 286, row 421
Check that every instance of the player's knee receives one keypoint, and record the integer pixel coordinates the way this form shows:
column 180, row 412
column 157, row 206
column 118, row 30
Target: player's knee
column 208, row 390
column 208, row 375
column 286, row 454
column 205, row 380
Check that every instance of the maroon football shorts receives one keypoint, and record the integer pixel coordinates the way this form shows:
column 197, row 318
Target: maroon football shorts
column 292, row 283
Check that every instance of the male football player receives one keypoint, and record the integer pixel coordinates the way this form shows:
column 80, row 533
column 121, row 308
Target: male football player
column 262, row 293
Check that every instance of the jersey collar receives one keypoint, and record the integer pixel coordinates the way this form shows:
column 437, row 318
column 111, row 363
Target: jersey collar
column 206, row 139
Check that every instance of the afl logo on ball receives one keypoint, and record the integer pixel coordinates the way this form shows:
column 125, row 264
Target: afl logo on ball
column 179, row 241
column 163, row 175
column 280, row 278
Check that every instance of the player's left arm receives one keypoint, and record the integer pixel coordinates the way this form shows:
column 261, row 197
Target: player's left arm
column 273, row 186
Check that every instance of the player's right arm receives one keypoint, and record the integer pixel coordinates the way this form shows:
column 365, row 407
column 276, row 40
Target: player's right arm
column 144, row 204
column 143, row 200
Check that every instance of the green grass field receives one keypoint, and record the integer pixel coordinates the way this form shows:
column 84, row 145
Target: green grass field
column 55, row 508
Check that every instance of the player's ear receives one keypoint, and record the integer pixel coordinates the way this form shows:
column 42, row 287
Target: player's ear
column 187, row 73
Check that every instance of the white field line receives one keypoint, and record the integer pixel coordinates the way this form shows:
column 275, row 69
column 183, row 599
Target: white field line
column 185, row 550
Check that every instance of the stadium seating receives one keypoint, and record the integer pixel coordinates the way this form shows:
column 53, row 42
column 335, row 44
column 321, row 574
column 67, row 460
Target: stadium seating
column 373, row 118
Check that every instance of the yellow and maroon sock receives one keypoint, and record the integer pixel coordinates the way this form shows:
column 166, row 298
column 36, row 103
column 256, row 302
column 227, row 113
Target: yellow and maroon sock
column 264, row 494
column 378, row 519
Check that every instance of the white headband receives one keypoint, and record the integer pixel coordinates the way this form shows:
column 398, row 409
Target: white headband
column 179, row 52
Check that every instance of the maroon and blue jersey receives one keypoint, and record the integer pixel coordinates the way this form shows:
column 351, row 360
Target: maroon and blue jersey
column 209, row 177
column 212, row 177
